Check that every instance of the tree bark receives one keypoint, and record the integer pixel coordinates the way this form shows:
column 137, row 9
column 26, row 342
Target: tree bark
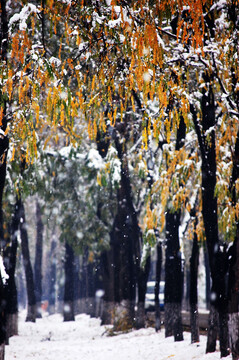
column 217, row 259
column 108, row 283
column 31, row 299
column 213, row 326
column 208, row 276
column 233, row 255
column 38, row 260
column 125, row 237
column 173, row 264
column 173, row 278
column 52, row 278
column 68, row 312
column 77, row 284
column 210, row 214
column 157, row 287
column 142, row 286
column 90, row 296
column 193, row 296
column 10, row 258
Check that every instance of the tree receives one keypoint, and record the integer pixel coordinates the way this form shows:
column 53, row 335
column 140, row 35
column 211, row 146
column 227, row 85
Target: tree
column 193, row 296
column 233, row 264
column 69, row 284
column 31, row 298
column 38, row 259
column 10, row 265
column 4, row 142
column 129, row 72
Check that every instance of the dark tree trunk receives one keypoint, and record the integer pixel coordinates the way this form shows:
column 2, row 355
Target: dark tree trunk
column 217, row 259
column 157, row 287
column 108, row 283
column 52, row 279
column 31, row 299
column 233, row 255
column 124, row 260
column 99, row 286
column 125, row 240
column 193, row 296
column 90, row 299
column 210, row 218
column 38, row 260
column 123, row 266
column 120, row 262
column 84, row 283
column 10, row 259
column 173, row 263
column 77, row 284
column 213, row 327
column 234, row 298
column 142, row 286
column 69, row 284
column 208, row 276
column 173, row 278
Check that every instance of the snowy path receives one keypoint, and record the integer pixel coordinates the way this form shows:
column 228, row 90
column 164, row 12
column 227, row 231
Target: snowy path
column 52, row 339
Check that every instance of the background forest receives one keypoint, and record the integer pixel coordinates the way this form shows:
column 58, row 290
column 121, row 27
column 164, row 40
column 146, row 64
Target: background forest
column 119, row 133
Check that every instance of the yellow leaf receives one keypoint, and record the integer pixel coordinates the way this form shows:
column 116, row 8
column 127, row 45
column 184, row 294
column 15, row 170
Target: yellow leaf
column 13, row 153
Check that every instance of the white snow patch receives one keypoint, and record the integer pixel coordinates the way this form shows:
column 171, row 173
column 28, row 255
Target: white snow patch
column 95, row 160
column 3, row 273
column 50, row 338
column 23, row 15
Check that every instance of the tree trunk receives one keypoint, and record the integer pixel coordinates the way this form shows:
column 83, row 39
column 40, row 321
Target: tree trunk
column 233, row 255
column 217, row 259
column 157, row 287
column 31, row 308
column 128, row 236
column 85, row 283
column 234, row 298
column 193, row 296
column 125, row 293
column 38, row 261
column 233, row 307
column 68, row 312
column 173, row 279
column 213, row 324
column 10, row 259
column 142, row 286
column 124, row 234
column 224, row 333
column 21, row 287
column 173, row 265
column 2, row 351
column 90, row 299
column 108, row 282
column 234, row 334
column 52, row 277
column 208, row 277
column 77, row 284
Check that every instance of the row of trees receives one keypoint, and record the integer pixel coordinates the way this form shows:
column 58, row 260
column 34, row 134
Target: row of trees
column 155, row 86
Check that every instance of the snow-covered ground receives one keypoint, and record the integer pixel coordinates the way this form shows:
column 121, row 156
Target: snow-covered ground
column 52, row 339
